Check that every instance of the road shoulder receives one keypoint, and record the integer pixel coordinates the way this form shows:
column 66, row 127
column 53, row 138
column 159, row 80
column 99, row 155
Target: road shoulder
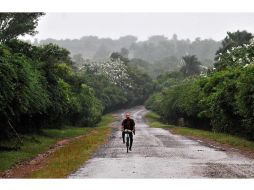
column 219, row 141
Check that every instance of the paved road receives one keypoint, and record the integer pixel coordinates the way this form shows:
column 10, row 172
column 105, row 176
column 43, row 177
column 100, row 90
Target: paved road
column 159, row 154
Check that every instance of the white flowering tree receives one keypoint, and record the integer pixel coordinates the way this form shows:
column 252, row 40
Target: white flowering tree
column 113, row 69
column 116, row 82
column 236, row 56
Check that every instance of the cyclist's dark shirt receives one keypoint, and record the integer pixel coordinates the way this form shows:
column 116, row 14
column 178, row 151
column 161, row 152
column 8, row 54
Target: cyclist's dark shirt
column 128, row 124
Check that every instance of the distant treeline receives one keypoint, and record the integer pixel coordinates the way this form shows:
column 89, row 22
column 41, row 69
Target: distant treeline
column 157, row 49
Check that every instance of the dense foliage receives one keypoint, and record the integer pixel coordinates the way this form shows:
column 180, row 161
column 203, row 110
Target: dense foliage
column 220, row 101
column 41, row 88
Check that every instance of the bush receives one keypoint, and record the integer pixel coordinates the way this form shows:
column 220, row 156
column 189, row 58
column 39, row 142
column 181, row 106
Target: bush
column 223, row 101
column 219, row 91
column 22, row 94
column 245, row 100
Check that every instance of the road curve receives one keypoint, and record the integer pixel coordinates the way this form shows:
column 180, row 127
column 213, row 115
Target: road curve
column 159, row 154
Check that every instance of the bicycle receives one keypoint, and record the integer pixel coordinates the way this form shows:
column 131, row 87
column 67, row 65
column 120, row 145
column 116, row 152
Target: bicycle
column 127, row 138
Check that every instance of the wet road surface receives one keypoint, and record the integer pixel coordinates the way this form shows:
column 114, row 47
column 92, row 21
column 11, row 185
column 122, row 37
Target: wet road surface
column 159, row 154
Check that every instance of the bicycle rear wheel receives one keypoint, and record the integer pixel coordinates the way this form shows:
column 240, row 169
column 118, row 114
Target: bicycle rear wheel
column 127, row 144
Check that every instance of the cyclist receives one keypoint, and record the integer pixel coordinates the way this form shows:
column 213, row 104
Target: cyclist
column 128, row 123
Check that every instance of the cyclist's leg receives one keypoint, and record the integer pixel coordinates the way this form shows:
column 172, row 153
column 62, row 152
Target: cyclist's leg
column 131, row 139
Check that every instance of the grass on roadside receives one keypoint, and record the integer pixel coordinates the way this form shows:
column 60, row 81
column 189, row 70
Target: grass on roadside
column 35, row 144
column 66, row 132
column 69, row 158
column 222, row 138
column 30, row 149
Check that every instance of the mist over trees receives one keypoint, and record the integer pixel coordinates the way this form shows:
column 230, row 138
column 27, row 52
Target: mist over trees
column 160, row 53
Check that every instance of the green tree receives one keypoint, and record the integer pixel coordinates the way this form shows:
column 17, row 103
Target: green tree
column 13, row 25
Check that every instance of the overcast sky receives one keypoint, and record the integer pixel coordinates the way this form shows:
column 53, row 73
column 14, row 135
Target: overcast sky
column 142, row 25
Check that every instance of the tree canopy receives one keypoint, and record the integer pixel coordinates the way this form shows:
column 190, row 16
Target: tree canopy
column 234, row 39
column 13, row 25
column 191, row 65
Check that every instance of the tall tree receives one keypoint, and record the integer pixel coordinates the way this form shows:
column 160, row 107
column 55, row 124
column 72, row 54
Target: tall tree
column 192, row 65
column 13, row 25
